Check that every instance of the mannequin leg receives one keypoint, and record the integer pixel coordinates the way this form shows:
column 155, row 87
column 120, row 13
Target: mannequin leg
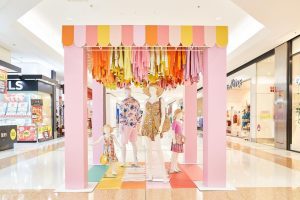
column 172, row 165
column 177, row 169
column 161, row 159
column 149, row 160
column 123, row 154
column 113, row 168
column 134, row 148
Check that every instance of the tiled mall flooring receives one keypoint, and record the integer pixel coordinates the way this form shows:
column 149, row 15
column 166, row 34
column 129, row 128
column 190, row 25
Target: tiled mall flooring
column 34, row 171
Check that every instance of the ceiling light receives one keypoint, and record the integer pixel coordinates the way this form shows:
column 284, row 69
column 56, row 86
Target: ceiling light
column 70, row 19
column 218, row 18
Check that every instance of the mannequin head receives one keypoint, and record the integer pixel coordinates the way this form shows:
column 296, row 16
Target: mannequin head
column 107, row 129
column 178, row 114
column 128, row 92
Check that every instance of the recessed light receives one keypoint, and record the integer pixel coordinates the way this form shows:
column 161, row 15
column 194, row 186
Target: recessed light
column 218, row 18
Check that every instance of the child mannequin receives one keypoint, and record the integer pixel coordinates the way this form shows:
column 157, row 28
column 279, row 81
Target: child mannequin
column 109, row 148
column 177, row 140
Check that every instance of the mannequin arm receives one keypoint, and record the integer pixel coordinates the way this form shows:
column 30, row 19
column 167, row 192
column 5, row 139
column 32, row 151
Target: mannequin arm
column 141, row 124
column 163, row 114
column 173, row 137
column 98, row 140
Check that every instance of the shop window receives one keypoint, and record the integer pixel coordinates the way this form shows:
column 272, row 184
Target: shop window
column 296, row 46
column 296, row 103
column 265, row 96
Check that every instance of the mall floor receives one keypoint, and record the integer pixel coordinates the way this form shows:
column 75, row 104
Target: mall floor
column 255, row 171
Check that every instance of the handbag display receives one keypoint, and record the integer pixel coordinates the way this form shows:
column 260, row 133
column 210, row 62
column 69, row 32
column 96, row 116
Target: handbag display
column 167, row 121
column 104, row 159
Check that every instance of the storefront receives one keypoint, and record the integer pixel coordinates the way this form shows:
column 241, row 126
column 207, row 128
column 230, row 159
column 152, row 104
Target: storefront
column 295, row 95
column 8, row 132
column 251, row 102
column 29, row 104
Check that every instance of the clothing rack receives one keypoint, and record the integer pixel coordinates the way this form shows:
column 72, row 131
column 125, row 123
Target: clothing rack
column 135, row 48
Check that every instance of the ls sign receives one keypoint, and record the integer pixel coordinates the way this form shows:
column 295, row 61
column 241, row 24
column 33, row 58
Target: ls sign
column 19, row 85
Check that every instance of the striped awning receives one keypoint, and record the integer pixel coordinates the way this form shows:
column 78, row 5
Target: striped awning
column 148, row 35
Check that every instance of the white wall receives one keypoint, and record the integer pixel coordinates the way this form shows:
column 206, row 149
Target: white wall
column 5, row 55
column 111, row 102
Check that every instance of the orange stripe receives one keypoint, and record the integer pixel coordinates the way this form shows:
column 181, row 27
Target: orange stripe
column 151, row 35
column 67, row 35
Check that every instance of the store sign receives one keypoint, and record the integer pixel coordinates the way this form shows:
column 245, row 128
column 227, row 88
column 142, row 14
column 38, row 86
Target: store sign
column 235, row 83
column 27, row 134
column 44, row 133
column 19, row 85
column 3, row 80
column 37, row 110
column 8, row 136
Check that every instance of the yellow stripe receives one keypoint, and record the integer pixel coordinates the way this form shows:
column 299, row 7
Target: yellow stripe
column 103, row 35
column 222, row 36
column 112, row 183
column 186, row 35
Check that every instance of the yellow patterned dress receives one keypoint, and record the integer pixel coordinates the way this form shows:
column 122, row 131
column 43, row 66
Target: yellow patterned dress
column 152, row 120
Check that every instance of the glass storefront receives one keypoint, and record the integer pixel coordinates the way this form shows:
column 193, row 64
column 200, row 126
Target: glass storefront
column 31, row 111
column 296, row 95
column 265, row 97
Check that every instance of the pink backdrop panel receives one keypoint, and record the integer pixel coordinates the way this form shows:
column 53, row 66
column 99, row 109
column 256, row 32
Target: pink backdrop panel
column 174, row 35
column 163, row 35
column 115, row 35
column 80, row 36
column 210, row 36
column 139, row 35
column 198, row 36
column 127, row 35
column 214, row 135
column 190, row 123
column 76, row 154
column 91, row 35
column 97, row 120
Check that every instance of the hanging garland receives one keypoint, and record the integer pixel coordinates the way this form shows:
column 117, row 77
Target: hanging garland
column 168, row 66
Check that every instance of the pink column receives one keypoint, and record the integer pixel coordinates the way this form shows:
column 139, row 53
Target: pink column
column 97, row 120
column 76, row 158
column 214, row 135
column 190, row 123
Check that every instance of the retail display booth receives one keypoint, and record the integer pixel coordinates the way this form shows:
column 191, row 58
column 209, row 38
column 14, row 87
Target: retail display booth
column 89, row 46
column 8, row 132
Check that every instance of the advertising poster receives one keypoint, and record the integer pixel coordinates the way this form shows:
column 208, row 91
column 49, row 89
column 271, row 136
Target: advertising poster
column 27, row 134
column 37, row 110
column 8, row 136
column 44, row 133
column 3, row 80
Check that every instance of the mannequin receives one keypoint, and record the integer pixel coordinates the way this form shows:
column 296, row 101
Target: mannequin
column 130, row 118
column 152, row 127
column 109, row 148
column 177, row 140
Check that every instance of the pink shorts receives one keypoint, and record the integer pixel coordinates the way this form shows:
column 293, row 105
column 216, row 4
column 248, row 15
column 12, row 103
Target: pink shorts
column 128, row 133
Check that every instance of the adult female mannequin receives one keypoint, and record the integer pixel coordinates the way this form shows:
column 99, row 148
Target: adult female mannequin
column 152, row 127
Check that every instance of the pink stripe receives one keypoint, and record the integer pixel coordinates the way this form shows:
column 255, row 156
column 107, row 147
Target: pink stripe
column 115, row 35
column 163, row 35
column 198, row 36
column 210, row 36
column 127, row 35
column 174, row 35
column 91, row 35
column 79, row 36
column 139, row 35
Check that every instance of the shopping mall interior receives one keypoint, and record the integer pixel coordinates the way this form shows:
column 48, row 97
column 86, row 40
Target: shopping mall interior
column 151, row 100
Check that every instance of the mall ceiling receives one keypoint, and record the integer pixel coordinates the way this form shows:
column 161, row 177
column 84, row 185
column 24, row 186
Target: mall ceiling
column 31, row 29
